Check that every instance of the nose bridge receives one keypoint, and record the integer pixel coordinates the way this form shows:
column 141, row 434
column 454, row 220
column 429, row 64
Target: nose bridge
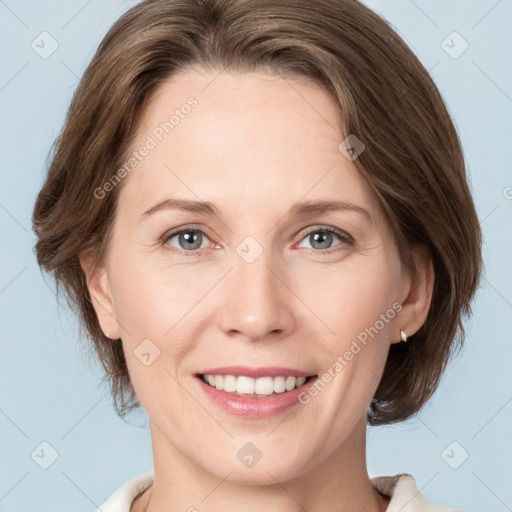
column 255, row 304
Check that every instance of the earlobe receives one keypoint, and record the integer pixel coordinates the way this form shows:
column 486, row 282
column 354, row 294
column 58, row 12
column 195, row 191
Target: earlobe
column 103, row 303
column 416, row 305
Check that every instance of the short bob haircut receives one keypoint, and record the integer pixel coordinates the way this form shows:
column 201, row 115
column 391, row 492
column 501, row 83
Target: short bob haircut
column 413, row 160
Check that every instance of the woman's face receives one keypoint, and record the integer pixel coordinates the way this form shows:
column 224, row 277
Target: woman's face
column 259, row 279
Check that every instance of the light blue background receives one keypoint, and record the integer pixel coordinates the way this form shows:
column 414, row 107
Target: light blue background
column 50, row 393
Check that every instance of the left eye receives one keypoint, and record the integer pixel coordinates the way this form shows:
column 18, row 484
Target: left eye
column 322, row 239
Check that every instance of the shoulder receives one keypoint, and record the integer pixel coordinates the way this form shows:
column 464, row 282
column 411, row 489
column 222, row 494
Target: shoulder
column 405, row 496
column 123, row 497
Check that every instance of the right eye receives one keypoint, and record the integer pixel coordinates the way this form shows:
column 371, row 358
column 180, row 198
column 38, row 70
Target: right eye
column 187, row 239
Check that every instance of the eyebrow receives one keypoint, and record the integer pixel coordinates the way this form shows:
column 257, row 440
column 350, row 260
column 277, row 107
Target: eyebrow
column 300, row 209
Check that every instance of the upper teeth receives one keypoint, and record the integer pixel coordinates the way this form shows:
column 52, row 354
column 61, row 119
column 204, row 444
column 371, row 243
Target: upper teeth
column 243, row 385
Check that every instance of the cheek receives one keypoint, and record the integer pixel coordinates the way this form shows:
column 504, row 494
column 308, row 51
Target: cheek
column 352, row 299
column 150, row 299
column 357, row 304
column 162, row 304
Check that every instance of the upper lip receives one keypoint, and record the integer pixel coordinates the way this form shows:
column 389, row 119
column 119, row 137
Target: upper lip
column 255, row 372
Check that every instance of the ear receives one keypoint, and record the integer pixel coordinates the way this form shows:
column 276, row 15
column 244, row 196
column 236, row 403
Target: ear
column 103, row 303
column 417, row 294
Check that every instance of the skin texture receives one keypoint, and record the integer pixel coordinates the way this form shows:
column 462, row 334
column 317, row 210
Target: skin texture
column 255, row 144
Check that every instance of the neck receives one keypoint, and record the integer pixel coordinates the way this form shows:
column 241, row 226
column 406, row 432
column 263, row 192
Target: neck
column 339, row 482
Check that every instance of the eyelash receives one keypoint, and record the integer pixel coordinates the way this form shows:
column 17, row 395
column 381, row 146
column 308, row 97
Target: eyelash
column 344, row 237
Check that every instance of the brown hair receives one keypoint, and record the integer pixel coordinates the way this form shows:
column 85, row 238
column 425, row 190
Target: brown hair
column 413, row 159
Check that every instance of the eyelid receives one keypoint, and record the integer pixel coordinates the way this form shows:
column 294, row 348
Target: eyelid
column 345, row 239
column 339, row 232
column 190, row 227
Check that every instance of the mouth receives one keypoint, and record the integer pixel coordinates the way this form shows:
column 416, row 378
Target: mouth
column 254, row 393
column 260, row 387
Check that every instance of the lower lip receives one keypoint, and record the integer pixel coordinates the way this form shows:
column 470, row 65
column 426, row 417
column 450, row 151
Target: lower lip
column 253, row 407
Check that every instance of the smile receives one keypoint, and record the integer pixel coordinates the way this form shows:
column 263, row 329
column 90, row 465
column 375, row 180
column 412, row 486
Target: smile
column 254, row 393
column 259, row 387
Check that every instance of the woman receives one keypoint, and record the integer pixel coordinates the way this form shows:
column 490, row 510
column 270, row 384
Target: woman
column 261, row 212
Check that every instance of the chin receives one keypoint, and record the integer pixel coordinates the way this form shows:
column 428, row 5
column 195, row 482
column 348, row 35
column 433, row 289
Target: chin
column 247, row 466
column 260, row 474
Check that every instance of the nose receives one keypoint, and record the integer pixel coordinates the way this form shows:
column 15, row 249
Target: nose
column 257, row 304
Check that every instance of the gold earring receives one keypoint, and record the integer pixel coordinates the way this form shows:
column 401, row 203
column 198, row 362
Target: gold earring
column 403, row 336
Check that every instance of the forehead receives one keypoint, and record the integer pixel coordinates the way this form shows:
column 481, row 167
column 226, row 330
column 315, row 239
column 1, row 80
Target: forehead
column 267, row 138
